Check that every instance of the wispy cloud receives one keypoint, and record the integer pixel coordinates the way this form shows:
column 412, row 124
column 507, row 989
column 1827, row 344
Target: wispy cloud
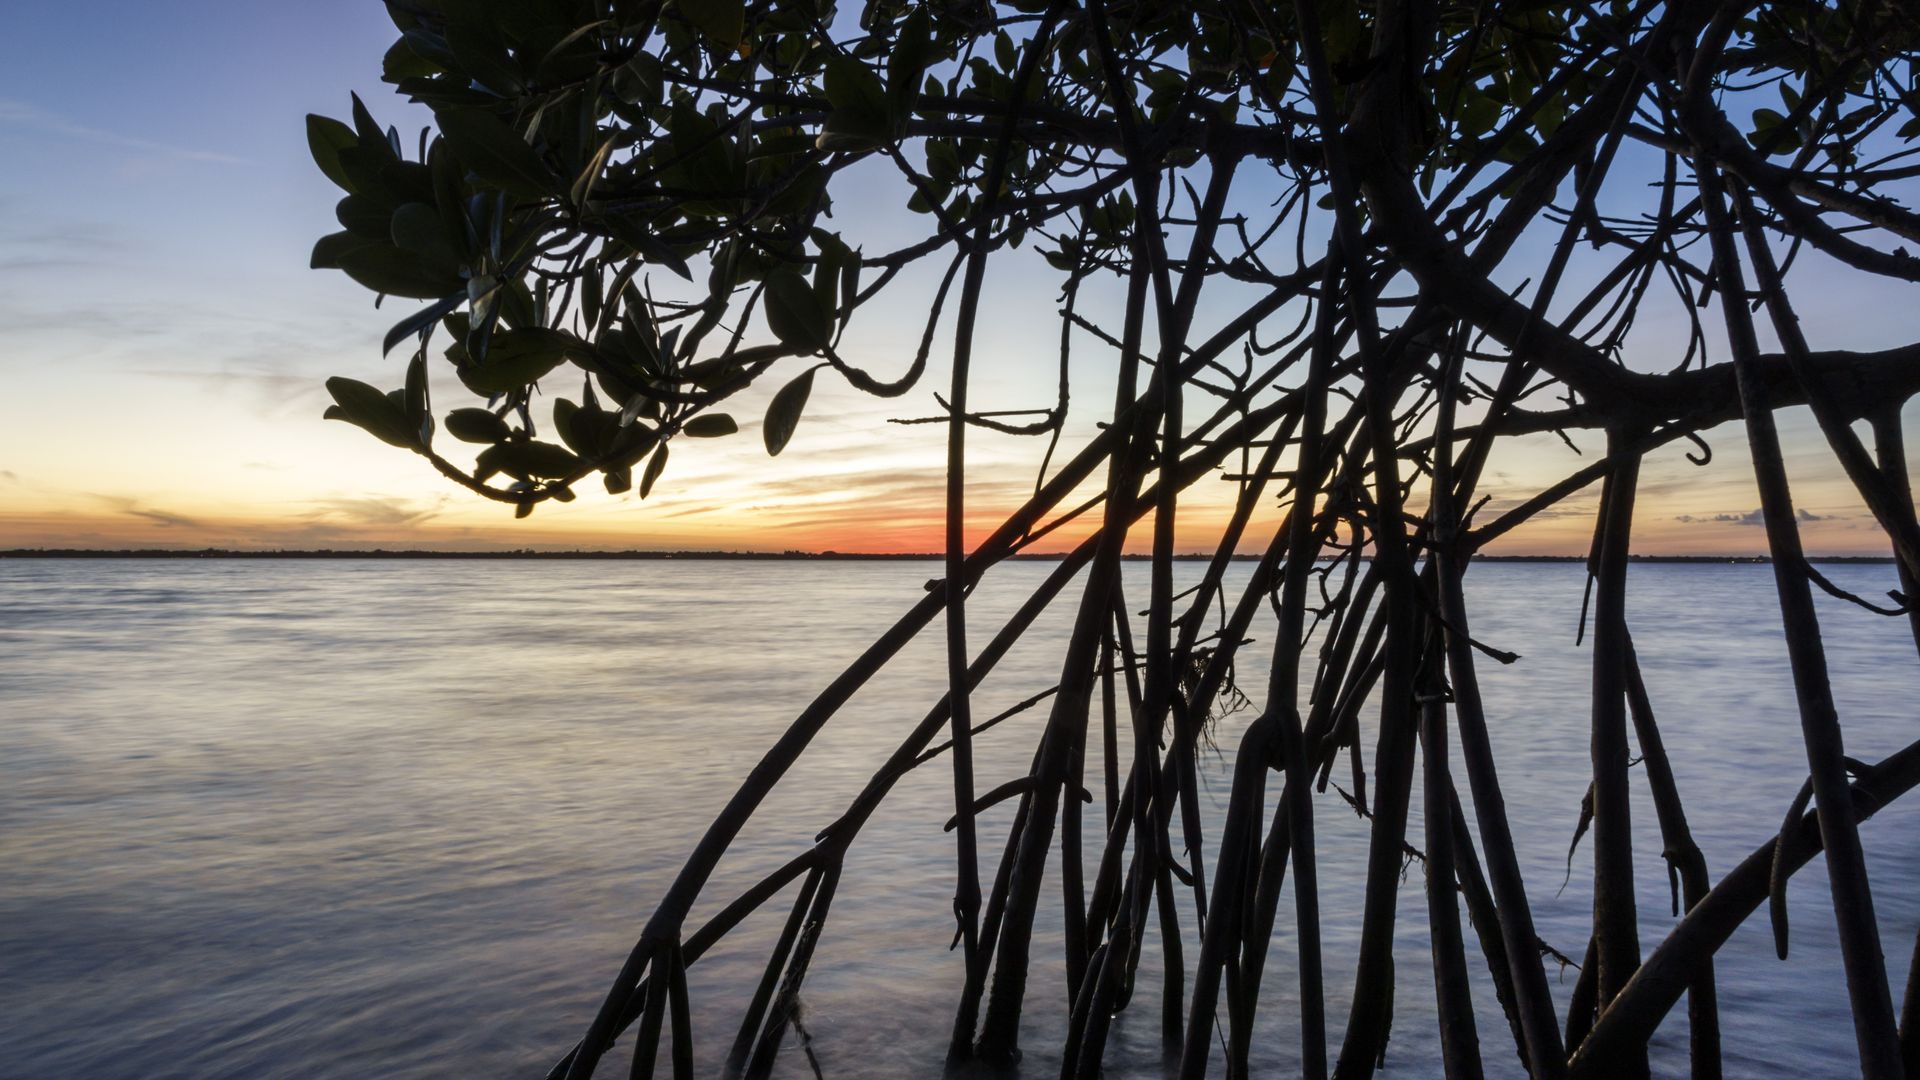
column 1573, row 508
column 20, row 114
column 916, row 486
column 1751, row 517
column 56, row 245
column 13, row 263
column 134, row 508
column 376, row 510
column 261, row 388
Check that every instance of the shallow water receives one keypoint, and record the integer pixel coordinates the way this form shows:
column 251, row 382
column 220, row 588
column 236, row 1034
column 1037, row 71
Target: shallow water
column 332, row 818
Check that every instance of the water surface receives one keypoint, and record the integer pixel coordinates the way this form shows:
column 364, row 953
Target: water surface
column 334, row 818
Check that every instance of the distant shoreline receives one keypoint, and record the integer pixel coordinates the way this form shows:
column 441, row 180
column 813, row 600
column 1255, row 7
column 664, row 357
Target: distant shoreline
column 775, row 556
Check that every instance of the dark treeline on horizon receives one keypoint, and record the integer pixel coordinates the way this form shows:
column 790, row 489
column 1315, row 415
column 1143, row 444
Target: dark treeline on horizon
column 829, row 556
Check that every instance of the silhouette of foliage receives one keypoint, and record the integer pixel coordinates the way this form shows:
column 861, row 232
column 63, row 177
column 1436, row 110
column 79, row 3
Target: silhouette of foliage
column 1356, row 249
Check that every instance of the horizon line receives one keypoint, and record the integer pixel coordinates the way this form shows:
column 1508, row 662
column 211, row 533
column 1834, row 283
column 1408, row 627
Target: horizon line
column 788, row 555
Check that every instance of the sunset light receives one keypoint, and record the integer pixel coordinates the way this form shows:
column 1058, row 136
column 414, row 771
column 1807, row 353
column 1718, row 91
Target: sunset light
column 959, row 539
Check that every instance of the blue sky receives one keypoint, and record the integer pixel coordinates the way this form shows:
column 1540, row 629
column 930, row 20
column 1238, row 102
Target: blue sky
column 166, row 343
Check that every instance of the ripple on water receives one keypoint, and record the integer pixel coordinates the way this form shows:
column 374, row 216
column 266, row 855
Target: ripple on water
column 330, row 818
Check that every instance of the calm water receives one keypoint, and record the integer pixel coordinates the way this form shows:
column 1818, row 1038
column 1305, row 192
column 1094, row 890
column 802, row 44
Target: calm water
column 336, row 818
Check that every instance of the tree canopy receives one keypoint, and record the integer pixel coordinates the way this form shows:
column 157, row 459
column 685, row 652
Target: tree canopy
column 1355, row 249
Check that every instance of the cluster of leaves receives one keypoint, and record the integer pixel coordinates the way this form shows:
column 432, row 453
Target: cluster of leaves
column 638, row 192
column 564, row 169
column 622, row 187
column 1830, row 103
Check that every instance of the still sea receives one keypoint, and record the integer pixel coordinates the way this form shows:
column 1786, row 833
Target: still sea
column 264, row 818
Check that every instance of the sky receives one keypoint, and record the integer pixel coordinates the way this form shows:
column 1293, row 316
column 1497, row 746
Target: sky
column 166, row 345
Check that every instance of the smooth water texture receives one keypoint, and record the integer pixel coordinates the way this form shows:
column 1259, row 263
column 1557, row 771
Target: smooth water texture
column 330, row 819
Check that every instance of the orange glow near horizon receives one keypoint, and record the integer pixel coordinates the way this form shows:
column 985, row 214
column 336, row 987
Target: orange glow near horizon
column 859, row 490
column 136, row 529
column 223, row 466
